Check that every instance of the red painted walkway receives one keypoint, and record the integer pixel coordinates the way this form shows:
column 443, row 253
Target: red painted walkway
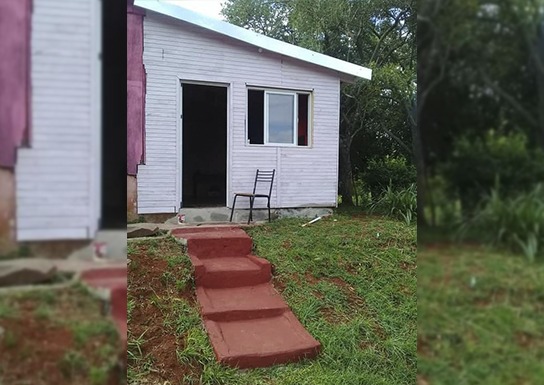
column 248, row 322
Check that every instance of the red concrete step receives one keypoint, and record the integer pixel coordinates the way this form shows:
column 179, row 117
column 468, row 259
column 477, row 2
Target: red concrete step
column 227, row 242
column 261, row 342
column 184, row 232
column 105, row 277
column 227, row 304
column 104, row 273
column 212, row 245
column 230, row 271
column 119, row 311
column 248, row 322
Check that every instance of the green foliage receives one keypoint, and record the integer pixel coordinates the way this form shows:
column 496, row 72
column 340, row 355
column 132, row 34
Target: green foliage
column 9, row 339
column 442, row 209
column 378, row 34
column 43, row 312
column 478, row 162
column 479, row 316
column 514, row 222
column 353, row 290
column 391, row 171
column 400, row 204
column 182, row 316
column 6, row 310
column 72, row 364
column 99, row 375
column 85, row 331
column 135, row 345
column 268, row 18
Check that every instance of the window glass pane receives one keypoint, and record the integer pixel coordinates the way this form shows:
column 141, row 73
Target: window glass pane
column 280, row 118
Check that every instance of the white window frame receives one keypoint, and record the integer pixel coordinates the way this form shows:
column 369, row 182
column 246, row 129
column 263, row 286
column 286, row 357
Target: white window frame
column 267, row 118
column 294, row 93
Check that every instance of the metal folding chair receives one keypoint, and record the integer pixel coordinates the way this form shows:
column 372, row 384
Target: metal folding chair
column 261, row 177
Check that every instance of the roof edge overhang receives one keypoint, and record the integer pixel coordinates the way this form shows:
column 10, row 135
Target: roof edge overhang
column 257, row 39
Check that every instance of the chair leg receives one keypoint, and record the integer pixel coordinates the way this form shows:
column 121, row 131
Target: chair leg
column 232, row 210
column 251, row 200
column 269, row 220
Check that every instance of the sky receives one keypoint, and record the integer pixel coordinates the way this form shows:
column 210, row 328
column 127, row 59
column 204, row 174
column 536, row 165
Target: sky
column 209, row 8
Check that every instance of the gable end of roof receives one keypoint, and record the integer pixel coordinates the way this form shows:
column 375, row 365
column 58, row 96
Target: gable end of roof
column 257, row 39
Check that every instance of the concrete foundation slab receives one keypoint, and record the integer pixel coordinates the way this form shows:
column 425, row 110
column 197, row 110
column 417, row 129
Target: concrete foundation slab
column 222, row 214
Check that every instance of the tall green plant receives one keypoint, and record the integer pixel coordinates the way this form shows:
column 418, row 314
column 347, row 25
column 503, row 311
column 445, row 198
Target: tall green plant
column 388, row 170
column 514, row 222
column 478, row 161
column 400, row 204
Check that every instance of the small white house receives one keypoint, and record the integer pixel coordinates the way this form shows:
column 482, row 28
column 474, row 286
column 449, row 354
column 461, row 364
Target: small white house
column 221, row 102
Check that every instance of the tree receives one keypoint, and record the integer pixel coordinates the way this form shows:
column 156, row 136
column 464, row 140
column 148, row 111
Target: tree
column 379, row 34
column 479, row 68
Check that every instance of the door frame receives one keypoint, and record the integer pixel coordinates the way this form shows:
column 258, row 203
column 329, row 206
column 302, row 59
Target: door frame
column 179, row 135
column 96, row 119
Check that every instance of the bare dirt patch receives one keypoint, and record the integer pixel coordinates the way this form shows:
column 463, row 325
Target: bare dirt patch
column 407, row 266
column 38, row 344
column 286, row 244
column 423, row 347
column 151, row 292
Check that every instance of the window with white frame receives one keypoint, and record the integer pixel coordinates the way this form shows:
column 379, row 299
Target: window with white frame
column 278, row 117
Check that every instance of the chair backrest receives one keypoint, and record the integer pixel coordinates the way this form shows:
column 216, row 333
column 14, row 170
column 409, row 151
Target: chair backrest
column 263, row 177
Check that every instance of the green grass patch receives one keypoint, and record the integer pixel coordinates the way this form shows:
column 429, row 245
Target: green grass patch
column 6, row 310
column 350, row 279
column 480, row 317
column 58, row 335
column 83, row 332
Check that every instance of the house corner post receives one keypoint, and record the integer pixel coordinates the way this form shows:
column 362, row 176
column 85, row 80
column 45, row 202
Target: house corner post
column 135, row 104
column 15, row 105
column 8, row 242
column 132, row 198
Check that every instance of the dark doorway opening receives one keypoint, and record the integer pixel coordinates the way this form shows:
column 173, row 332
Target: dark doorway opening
column 204, row 149
column 114, row 116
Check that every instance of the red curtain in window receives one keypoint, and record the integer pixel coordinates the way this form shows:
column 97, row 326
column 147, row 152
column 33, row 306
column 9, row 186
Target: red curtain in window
column 135, row 87
column 302, row 120
column 15, row 18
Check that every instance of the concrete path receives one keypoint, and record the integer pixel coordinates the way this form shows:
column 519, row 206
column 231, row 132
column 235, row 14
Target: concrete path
column 248, row 322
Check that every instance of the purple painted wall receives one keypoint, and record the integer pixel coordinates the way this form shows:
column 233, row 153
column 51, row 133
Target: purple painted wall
column 15, row 18
column 135, row 87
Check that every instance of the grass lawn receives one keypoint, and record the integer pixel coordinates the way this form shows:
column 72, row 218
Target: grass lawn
column 481, row 317
column 351, row 281
column 57, row 336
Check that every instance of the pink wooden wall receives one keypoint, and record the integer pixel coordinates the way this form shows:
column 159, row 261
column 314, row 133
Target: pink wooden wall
column 135, row 87
column 15, row 16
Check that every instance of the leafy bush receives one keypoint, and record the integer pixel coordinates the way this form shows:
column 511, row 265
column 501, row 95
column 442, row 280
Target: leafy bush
column 514, row 222
column 478, row 162
column 400, row 204
column 392, row 171
column 442, row 208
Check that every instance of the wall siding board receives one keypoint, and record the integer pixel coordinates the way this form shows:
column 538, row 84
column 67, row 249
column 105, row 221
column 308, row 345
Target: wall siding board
column 175, row 49
column 55, row 175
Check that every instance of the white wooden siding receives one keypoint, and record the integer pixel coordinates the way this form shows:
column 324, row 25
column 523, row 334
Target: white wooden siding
column 176, row 50
column 58, row 176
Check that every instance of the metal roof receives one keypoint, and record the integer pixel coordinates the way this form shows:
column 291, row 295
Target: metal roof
column 254, row 38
